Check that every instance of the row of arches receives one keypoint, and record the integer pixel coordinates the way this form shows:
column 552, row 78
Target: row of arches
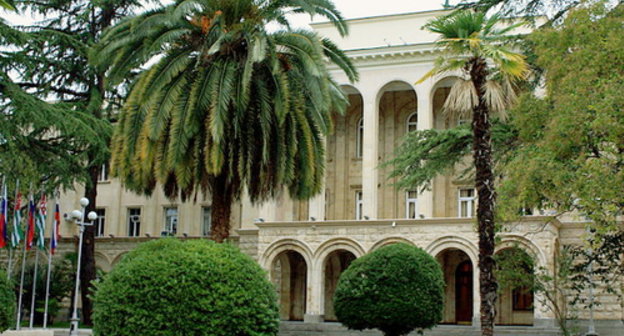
column 400, row 110
column 290, row 271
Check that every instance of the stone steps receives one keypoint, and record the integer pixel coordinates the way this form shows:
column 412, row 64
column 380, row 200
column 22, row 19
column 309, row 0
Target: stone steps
column 336, row 329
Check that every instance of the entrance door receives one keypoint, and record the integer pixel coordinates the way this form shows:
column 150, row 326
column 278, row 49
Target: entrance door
column 463, row 293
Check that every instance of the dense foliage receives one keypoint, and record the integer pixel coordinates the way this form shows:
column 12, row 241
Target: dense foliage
column 170, row 287
column 571, row 155
column 56, row 109
column 7, row 302
column 396, row 289
column 229, row 105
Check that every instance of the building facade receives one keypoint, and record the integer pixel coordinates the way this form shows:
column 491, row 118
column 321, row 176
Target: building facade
column 305, row 246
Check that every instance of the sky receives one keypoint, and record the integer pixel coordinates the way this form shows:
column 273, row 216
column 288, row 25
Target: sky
column 349, row 8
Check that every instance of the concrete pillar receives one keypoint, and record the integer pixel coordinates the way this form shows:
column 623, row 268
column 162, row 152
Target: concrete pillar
column 316, row 205
column 425, row 122
column 370, row 155
column 314, row 311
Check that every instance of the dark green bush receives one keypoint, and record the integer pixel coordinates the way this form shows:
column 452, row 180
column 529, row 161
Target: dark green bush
column 169, row 287
column 395, row 289
column 7, row 302
column 62, row 280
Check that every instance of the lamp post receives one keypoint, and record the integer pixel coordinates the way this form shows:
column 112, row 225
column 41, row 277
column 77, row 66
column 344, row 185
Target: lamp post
column 78, row 216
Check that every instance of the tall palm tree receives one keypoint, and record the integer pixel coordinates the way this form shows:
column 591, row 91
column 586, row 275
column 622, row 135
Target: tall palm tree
column 223, row 104
column 474, row 44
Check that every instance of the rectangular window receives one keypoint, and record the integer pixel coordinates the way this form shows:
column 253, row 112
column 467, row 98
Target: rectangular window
column 466, row 205
column 134, row 222
column 359, row 139
column 103, row 176
column 171, row 221
column 206, row 221
column 411, row 204
column 99, row 222
column 359, row 204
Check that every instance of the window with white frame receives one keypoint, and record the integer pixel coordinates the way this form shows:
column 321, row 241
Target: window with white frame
column 359, row 204
column 134, row 222
column 359, row 139
column 171, row 221
column 206, row 220
column 411, row 204
column 103, row 176
column 412, row 122
column 466, row 206
column 99, row 222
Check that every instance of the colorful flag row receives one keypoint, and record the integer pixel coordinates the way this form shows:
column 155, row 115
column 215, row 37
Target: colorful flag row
column 35, row 223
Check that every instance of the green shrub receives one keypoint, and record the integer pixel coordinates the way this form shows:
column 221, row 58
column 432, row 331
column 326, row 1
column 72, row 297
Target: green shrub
column 7, row 302
column 395, row 289
column 169, row 287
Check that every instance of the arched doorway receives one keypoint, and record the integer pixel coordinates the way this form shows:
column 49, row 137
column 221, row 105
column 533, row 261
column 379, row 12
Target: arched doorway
column 289, row 274
column 463, row 292
column 335, row 263
column 459, row 278
column 515, row 296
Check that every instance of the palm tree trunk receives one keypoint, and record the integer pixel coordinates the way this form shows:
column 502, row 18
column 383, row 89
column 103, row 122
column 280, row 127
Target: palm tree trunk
column 222, row 197
column 484, row 182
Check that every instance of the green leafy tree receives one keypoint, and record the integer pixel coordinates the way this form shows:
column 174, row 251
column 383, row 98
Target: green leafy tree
column 571, row 153
column 170, row 287
column 48, row 61
column 396, row 289
column 473, row 43
column 228, row 105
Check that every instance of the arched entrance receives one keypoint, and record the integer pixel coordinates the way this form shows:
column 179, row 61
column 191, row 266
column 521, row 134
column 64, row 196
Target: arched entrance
column 458, row 275
column 515, row 296
column 289, row 273
column 463, row 292
column 335, row 263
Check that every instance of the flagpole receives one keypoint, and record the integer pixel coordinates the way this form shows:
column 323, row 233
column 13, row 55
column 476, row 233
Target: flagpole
column 5, row 200
column 21, row 290
column 47, row 295
column 34, row 289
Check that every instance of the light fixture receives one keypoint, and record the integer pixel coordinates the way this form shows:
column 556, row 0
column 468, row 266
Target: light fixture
column 84, row 202
column 366, row 218
column 313, row 219
column 92, row 216
column 393, row 224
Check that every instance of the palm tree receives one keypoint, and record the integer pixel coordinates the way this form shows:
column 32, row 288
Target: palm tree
column 7, row 4
column 472, row 43
column 224, row 105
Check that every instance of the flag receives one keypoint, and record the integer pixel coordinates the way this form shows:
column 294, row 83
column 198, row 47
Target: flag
column 18, row 234
column 4, row 234
column 55, row 228
column 30, row 227
column 41, row 222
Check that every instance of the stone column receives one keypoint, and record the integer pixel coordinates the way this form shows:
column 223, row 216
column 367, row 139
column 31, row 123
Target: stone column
column 314, row 299
column 476, row 297
column 316, row 205
column 370, row 155
column 425, row 122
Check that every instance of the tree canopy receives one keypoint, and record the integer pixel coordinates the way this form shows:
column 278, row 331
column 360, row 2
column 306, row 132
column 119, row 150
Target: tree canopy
column 228, row 105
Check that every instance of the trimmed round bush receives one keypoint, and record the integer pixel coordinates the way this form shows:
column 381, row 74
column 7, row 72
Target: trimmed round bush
column 169, row 287
column 7, row 302
column 396, row 289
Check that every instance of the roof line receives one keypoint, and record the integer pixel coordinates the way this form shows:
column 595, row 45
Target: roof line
column 382, row 16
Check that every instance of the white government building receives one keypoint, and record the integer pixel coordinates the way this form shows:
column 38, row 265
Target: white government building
column 305, row 245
